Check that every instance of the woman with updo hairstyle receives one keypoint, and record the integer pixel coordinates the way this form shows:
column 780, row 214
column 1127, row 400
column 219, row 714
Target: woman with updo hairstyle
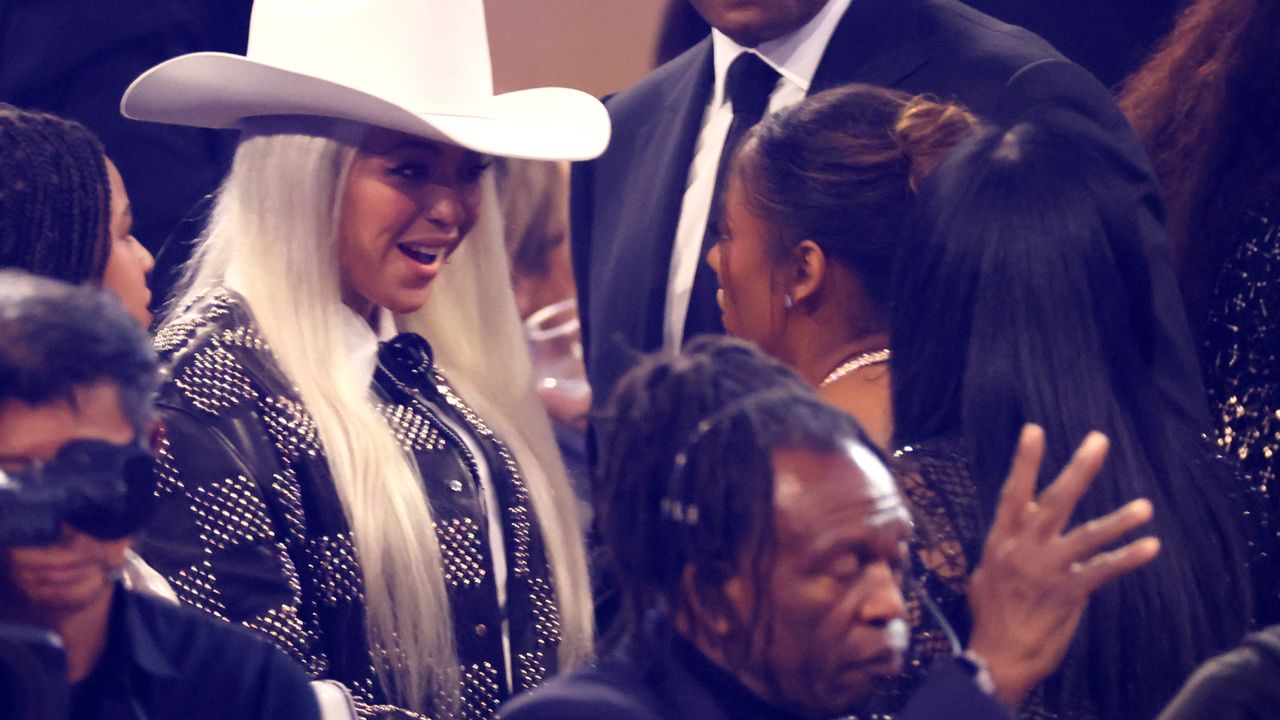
column 818, row 199
column 1022, row 294
column 64, row 212
column 813, row 215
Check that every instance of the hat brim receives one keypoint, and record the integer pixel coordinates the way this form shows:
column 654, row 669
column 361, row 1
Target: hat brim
column 219, row 90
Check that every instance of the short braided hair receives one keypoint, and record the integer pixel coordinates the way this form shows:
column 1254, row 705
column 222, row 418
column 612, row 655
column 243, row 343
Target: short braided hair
column 54, row 197
column 686, row 470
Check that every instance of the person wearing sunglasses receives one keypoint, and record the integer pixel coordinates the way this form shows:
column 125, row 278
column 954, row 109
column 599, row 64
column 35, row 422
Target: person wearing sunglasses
column 77, row 383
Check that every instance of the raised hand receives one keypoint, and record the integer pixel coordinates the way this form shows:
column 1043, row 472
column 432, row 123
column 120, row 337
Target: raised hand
column 1034, row 582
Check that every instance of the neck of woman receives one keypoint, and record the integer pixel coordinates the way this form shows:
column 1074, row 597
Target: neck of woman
column 863, row 392
column 822, row 351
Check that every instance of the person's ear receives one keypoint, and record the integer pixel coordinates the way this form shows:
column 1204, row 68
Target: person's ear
column 809, row 271
column 707, row 616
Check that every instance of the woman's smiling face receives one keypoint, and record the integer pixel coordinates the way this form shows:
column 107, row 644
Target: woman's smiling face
column 408, row 202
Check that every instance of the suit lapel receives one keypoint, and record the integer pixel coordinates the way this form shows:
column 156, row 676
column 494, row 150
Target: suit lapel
column 664, row 150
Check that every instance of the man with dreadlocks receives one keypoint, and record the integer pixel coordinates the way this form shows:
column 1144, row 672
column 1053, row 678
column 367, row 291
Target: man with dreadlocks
column 761, row 545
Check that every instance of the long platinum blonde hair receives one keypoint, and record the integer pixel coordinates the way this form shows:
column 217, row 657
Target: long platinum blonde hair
column 273, row 237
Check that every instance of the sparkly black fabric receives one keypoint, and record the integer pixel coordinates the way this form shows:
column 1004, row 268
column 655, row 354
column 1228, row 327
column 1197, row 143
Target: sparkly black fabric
column 249, row 526
column 935, row 589
column 1242, row 372
column 951, row 527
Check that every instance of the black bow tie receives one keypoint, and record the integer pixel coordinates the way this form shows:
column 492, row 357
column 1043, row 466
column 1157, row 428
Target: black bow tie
column 408, row 355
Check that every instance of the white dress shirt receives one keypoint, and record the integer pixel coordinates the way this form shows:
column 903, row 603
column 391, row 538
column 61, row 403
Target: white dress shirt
column 795, row 56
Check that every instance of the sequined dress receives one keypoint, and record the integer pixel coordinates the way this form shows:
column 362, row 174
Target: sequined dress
column 935, row 588
column 951, row 527
column 1242, row 372
column 250, row 529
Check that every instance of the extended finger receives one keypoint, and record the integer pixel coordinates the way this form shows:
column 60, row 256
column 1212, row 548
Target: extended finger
column 1020, row 487
column 1105, row 567
column 1086, row 540
column 1059, row 499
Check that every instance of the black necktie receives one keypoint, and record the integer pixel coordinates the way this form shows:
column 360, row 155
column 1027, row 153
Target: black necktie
column 748, row 85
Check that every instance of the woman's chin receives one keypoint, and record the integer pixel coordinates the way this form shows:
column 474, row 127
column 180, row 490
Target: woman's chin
column 404, row 303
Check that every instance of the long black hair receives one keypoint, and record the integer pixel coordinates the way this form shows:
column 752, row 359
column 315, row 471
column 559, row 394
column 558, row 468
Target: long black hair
column 1023, row 295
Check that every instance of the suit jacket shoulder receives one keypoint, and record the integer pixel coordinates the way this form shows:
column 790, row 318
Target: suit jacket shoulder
column 950, row 692
column 638, row 101
column 602, row 691
column 939, row 47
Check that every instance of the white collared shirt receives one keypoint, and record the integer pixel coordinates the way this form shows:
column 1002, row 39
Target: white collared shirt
column 795, row 56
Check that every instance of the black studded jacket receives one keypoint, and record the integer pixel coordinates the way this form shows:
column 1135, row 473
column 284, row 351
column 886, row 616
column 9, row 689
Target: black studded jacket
column 250, row 528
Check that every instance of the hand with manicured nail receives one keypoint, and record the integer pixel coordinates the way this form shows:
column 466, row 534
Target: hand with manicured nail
column 1031, row 589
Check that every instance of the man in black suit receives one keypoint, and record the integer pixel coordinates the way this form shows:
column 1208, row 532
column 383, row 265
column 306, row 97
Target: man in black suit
column 644, row 212
column 762, row 572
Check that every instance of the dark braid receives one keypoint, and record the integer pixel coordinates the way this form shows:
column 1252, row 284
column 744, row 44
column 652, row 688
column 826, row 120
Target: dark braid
column 54, row 197
column 727, row 408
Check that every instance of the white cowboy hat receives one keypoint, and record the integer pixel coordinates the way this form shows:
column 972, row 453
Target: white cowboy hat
column 417, row 66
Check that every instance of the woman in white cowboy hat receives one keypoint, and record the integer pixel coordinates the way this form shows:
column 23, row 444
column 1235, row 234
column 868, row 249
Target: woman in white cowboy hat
column 335, row 492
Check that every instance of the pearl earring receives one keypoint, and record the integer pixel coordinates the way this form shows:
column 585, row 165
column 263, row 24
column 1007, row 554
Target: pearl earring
column 787, row 302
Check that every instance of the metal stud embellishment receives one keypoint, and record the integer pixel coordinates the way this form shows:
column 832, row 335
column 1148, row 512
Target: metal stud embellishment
column 213, row 380
column 546, row 616
column 292, row 430
column 168, row 480
column 479, row 691
column 331, row 560
column 197, row 585
column 282, row 625
column 462, row 552
column 531, row 669
column 288, row 491
column 245, row 336
column 229, row 512
column 176, row 334
column 412, row 430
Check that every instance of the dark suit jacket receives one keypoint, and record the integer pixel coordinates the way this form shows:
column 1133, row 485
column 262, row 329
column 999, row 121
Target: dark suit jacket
column 164, row 662
column 619, row 689
column 625, row 205
column 1243, row 684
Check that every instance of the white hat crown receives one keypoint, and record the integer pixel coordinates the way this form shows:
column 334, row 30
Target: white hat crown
column 417, row 66
column 399, row 50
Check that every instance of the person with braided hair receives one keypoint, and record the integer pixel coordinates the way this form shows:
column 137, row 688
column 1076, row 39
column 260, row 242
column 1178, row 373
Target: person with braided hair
column 64, row 211
column 762, row 546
